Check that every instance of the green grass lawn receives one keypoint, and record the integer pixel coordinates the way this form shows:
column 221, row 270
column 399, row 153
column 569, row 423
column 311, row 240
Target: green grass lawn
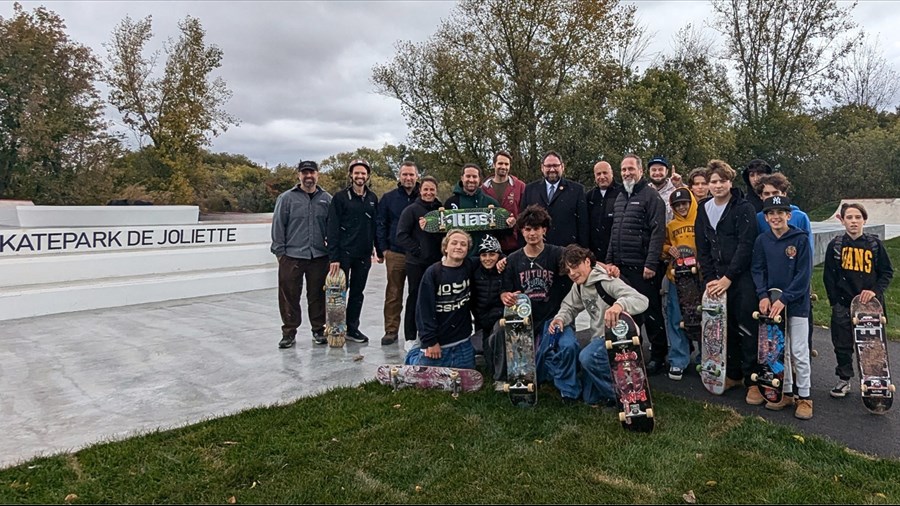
column 822, row 311
column 369, row 445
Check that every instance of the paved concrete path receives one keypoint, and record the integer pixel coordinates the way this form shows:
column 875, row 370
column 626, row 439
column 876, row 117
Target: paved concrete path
column 70, row 380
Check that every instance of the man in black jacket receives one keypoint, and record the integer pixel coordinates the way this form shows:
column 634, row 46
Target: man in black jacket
column 638, row 233
column 726, row 231
column 563, row 199
column 351, row 237
column 601, row 202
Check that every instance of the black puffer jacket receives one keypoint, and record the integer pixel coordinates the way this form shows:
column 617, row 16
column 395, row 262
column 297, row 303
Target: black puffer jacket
column 726, row 250
column 487, row 308
column 422, row 248
column 639, row 228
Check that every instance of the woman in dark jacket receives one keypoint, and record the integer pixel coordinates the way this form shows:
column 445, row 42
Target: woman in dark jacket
column 422, row 248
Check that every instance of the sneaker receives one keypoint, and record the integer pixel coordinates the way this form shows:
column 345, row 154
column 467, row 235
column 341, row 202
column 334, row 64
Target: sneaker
column 655, row 367
column 675, row 373
column 410, row 344
column 357, row 337
column 388, row 339
column 286, row 342
column 786, row 400
column 499, row 386
column 804, row 409
column 841, row 389
column 754, row 396
column 732, row 383
column 319, row 337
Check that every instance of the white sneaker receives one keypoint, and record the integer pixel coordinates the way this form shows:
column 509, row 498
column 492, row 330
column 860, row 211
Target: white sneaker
column 409, row 345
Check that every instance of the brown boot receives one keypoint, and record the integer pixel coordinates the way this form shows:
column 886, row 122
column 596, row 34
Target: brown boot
column 804, row 409
column 754, row 396
column 730, row 383
column 786, row 400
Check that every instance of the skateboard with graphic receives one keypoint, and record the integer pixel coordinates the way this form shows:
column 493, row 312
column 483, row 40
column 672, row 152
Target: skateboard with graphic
column 448, row 379
column 871, row 355
column 713, row 342
column 336, row 309
column 471, row 220
column 685, row 271
column 772, row 341
column 521, row 378
column 626, row 359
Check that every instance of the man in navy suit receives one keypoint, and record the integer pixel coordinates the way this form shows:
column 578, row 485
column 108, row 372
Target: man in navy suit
column 565, row 201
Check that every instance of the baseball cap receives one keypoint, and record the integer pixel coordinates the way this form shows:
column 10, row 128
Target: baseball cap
column 658, row 159
column 308, row 165
column 679, row 195
column 359, row 161
column 779, row 202
column 489, row 244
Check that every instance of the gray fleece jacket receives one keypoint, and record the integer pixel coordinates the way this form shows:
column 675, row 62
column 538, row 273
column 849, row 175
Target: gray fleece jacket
column 585, row 297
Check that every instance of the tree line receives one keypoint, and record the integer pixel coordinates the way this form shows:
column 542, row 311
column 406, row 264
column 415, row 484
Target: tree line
column 795, row 83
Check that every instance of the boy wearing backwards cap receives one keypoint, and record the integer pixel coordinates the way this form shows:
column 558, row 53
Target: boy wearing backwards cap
column 679, row 232
column 781, row 259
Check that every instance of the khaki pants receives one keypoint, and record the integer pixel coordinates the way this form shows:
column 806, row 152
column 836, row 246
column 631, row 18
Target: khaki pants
column 395, row 264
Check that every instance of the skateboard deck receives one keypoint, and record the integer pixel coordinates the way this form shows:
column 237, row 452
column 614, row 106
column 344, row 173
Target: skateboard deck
column 471, row 220
column 713, row 342
column 871, row 354
column 521, row 384
column 336, row 309
column 629, row 375
column 687, row 282
column 427, row 377
column 772, row 341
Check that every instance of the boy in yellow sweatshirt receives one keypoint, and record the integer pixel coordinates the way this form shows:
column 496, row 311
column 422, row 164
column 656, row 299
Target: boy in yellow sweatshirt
column 679, row 232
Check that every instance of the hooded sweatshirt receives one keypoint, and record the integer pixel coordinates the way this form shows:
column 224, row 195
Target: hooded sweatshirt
column 680, row 232
column 585, row 297
column 784, row 263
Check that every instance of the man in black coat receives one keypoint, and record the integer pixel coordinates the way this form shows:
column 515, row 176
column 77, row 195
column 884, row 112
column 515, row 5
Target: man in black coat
column 601, row 202
column 638, row 233
column 563, row 199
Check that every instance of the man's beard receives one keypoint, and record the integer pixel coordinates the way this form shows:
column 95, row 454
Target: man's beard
column 629, row 186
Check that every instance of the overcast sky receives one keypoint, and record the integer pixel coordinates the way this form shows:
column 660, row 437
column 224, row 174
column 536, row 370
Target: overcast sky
column 300, row 71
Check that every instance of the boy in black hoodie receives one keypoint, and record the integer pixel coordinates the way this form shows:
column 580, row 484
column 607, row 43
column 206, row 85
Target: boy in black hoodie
column 487, row 308
column 855, row 264
column 781, row 259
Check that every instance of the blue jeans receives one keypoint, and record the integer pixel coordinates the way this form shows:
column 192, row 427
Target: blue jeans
column 594, row 361
column 461, row 356
column 557, row 359
column 679, row 345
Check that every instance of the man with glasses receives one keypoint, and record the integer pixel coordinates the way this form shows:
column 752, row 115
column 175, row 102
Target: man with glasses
column 563, row 199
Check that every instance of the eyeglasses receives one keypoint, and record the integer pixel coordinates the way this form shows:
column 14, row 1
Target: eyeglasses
column 552, row 165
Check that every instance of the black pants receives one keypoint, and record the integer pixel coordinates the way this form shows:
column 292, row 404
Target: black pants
column 291, row 272
column 842, row 339
column 357, row 272
column 652, row 318
column 414, row 275
column 743, row 330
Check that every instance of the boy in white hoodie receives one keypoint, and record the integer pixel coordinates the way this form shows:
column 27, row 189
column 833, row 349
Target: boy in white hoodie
column 604, row 297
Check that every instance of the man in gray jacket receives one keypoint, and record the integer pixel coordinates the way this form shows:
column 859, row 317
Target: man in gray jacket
column 298, row 241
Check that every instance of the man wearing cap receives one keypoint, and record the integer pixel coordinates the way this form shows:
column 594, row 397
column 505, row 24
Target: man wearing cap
column 751, row 174
column 679, row 232
column 389, row 210
column 658, row 171
column 601, row 202
column 638, row 233
column 298, row 241
column 351, row 238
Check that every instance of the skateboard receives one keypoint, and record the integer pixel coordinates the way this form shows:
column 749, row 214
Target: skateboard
column 772, row 342
column 471, row 220
column 871, row 355
column 713, row 342
column 519, row 334
column 687, row 282
column 623, row 343
column 336, row 309
column 449, row 379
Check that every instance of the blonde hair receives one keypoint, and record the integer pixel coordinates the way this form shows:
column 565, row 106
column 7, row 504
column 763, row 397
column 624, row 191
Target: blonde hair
column 454, row 231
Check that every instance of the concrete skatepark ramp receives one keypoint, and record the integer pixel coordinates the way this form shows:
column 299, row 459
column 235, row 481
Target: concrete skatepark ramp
column 881, row 211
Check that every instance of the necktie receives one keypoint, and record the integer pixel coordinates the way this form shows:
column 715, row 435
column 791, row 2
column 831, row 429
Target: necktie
column 551, row 192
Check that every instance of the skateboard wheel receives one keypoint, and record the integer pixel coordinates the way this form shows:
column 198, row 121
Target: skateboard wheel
column 754, row 377
column 777, row 319
column 855, row 320
column 526, row 320
column 892, row 387
column 635, row 340
column 441, row 209
column 394, row 371
column 490, row 206
column 699, row 367
column 530, row 387
column 693, row 270
column 506, row 387
column 502, row 322
column 756, row 315
column 883, row 320
column 776, row 382
column 621, row 416
column 608, row 344
column 863, row 388
column 672, row 272
column 649, row 412
column 681, row 325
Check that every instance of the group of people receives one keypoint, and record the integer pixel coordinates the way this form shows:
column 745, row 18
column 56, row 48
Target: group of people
column 603, row 251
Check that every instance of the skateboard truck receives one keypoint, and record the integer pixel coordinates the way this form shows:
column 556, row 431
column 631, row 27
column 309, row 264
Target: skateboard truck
column 766, row 379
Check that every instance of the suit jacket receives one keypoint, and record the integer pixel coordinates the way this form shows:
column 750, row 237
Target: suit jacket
column 568, row 211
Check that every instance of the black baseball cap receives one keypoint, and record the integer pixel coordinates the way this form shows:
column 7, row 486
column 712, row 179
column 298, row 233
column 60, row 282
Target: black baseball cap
column 777, row 202
column 658, row 159
column 308, row 165
column 679, row 195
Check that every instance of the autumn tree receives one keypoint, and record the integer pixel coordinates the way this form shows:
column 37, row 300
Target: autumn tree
column 868, row 79
column 181, row 110
column 50, row 113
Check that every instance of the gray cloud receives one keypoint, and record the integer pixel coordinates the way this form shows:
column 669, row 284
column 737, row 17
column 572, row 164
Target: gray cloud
column 300, row 72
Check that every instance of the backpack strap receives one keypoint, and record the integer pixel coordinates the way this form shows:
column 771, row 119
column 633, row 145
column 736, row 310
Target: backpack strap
column 607, row 298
